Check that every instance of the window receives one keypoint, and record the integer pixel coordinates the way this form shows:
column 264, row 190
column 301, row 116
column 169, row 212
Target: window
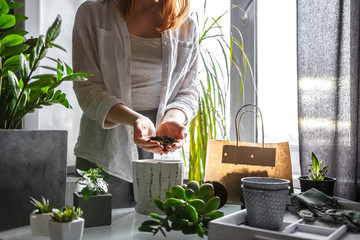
column 269, row 32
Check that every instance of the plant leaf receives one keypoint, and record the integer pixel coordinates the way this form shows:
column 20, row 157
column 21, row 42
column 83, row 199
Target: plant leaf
column 54, row 30
column 15, row 50
column 13, row 83
column 41, row 83
column 35, row 52
column 4, row 8
column 7, row 21
column 13, row 31
column 74, row 78
column 20, row 18
column 11, row 40
column 14, row 60
column 23, row 68
column 15, row 5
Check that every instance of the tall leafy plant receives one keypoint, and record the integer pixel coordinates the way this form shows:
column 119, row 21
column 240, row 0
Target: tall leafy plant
column 210, row 121
column 21, row 91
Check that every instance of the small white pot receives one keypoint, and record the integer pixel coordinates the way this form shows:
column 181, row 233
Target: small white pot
column 39, row 223
column 66, row 230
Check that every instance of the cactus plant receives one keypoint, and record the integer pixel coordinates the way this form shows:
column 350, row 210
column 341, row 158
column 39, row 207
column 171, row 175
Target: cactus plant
column 43, row 206
column 187, row 208
column 93, row 182
column 66, row 214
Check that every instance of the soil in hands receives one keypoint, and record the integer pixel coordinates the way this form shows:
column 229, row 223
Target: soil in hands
column 164, row 141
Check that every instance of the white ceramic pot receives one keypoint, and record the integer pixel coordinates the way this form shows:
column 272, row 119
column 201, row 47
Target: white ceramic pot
column 39, row 223
column 66, row 230
column 151, row 179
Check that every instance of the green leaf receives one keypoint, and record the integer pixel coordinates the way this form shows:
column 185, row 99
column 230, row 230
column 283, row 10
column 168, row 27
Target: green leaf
column 13, row 83
column 69, row 71
column 150, row 223
column 4, row 8
column 199, row 205
column 54, row 30
column 216, row 214
column 15, row 50
column 74, row 78
column 23, row 68
column 16, row 5
column 192, row 213
column 212, row 204
column 189, row 194
column 20, row 18
column 178, row 192
column 42, row 82
column 35, row 52
column 172, row 202
column 7, row 21
column 178, row 224
column 159, row 204
column 169, row 194
column 144, row 228
column 11, row 40
column 13, row 31
column 155, row 216
column 14, row 60
column 57, row 46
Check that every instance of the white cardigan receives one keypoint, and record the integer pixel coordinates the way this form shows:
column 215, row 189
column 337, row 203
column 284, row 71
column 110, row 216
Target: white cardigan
column 101, row 46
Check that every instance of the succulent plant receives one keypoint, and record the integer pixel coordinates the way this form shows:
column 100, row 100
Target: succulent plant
column 187, row 208
column 66, row 214
column 315, row 171
column 93, row 182
column 43, row 206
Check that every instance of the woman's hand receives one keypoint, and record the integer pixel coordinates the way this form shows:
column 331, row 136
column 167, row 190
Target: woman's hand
column 172, row 129
column 143, row 130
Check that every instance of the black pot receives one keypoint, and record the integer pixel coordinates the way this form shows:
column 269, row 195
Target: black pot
column 97, row 209
column 326, row 186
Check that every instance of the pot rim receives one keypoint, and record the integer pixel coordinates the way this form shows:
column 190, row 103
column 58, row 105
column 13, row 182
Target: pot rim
column 327, row 179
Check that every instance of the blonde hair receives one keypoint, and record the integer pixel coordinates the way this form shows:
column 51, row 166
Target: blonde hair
column 172, row 12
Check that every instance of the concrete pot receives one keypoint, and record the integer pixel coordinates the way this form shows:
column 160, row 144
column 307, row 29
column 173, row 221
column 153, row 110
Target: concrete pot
column 151, row 179
column 39, row 223
column 97, row 209
column 33, row 163
column 326, row 186
column 66, row 230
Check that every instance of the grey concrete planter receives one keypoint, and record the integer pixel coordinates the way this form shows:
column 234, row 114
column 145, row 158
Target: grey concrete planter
column 33, row 164
column 97, row 209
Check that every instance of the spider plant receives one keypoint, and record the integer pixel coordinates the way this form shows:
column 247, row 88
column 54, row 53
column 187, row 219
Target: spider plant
column 215, row 79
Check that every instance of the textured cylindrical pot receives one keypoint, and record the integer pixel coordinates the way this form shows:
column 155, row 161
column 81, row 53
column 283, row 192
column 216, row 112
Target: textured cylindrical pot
column 265, row 183
column 39, row 223
column 151, row 179
column 66, row 230
column 265, row 208
column 326, row 186
column 97, row 209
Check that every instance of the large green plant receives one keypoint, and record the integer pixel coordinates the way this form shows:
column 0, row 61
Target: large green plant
column 21, row 91
column 210, row 121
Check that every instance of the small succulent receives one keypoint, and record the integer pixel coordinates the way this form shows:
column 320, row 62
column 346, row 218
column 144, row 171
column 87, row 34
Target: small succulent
column 43, row 206
column 315, row 171
column 66, row 214
column 93, row 182
column 188, row 209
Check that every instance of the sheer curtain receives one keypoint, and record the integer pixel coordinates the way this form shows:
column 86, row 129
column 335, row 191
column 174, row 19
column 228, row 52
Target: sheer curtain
column 328, row 89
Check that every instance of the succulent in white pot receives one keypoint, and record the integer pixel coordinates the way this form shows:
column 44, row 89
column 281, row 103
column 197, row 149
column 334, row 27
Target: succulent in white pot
column 40, row 217
column 66, row 224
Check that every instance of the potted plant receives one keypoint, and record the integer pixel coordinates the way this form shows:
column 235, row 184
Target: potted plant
column 188, row 210
column 66, row 224
column 316, row 178
column 94, row 198
column 22, row 91
column 40, row 217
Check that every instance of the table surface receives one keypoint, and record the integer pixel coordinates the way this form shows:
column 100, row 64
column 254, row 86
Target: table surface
column 125, row 223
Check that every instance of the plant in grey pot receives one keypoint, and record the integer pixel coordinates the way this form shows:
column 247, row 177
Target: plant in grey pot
column 316, row 178
column 94, row 198
column 22, row 91
column 66, row 224
column 40, row 217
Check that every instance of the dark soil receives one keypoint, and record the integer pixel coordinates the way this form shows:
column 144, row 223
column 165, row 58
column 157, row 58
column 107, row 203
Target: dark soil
column 164, row 140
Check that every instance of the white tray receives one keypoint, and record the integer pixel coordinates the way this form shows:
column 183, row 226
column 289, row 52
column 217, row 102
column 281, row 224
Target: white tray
column 234, row 226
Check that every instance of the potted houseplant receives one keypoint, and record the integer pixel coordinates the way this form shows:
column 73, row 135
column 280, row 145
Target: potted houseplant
column 94, row 198
column 66, row 224
column 40, row 217
column 316, row 178
column 22, row 91
column 189, row 209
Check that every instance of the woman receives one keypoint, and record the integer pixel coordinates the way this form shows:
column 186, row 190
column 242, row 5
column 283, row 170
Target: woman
column 143, row 57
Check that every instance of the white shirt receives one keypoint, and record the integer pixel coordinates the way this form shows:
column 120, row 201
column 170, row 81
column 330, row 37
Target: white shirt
column 146, row 72
column 101, row 46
